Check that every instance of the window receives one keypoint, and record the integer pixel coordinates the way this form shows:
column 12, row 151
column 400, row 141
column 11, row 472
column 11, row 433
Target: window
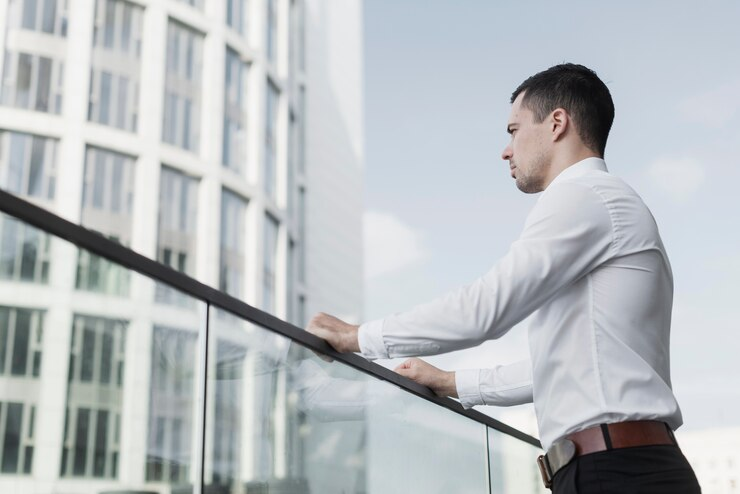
column 21, row 334
column 235, row 109
column 300, row 156
column 177, row 214
column 16, row 437
column 114, row 78
column 176, row 236
column 301, row 235
column 181, row 122
column 236, row 15
column 106, row 208
column 291, row 291
column 91, row 443
column 94, row 397
column 231, row 269
column 172, row 388
column 296, row 48
column 45, row 16
column 32, row 82
column 270, row 262
column 272, row 30
column 28, row 164
column 24, row 252
column 270, row 179
column 293, row 127
column 97, row 351
column 301, row 311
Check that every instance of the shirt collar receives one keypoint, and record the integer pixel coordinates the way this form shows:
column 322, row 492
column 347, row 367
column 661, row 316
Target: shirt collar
column 581, row 168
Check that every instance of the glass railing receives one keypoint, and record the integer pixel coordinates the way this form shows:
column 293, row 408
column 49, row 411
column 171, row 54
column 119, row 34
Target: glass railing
column 107, row 386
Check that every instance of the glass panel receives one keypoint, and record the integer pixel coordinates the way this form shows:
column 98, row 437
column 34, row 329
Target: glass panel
column 20, row 345
column 29, row 14
column 231, row 268
column 176, row 243
column 28, row 169
column 23, row 86
column 47, row 22
column 115, row 63
column 271, row 140
column 512, row 465
column 105, row 89
column 286, row 421
column 132, row 378
column 278, row 418
column 272, row 30
column 11, row 442
column 234, row 155
column 182, row 84
column 43, row 85
column 270, row 263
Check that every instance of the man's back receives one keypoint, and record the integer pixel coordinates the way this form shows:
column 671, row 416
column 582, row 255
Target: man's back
column 600, row 345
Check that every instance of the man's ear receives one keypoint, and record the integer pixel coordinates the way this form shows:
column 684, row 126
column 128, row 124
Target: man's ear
column 559, row 123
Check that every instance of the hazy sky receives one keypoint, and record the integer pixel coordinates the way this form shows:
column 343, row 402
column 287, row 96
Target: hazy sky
column 442, row 207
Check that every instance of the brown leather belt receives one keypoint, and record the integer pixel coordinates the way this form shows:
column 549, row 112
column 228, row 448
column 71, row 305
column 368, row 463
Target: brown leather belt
column 602, row 438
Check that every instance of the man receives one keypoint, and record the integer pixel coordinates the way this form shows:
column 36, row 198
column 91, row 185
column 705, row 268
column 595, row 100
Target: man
column 591, row 266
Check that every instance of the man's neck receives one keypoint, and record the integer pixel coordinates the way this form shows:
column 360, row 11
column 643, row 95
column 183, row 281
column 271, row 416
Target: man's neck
column 566, row 161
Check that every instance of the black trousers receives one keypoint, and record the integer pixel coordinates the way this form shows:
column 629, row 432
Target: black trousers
column 639, row 470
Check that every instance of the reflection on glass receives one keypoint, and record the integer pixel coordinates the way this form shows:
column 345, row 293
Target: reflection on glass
column 286, row 421
column 171, row 404
column 512, row 465
column 94, row 397
column 98, row 393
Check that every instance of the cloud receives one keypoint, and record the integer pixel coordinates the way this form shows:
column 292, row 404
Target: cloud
column 390, row 245
column 680, row 178
column 713, row 108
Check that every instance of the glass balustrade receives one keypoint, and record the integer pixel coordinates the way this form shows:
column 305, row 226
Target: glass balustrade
column 119, row 391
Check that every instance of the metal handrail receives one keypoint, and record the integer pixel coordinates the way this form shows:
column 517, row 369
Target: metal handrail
column 99, row 245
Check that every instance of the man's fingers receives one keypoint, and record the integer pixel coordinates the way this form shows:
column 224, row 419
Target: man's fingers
column 404, row 365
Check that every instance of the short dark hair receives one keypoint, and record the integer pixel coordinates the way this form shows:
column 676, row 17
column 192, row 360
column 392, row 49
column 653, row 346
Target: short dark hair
column 577, row 90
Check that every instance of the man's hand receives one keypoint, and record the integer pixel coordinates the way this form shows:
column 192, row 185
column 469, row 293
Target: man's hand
column 439, row 381
column 339, row 334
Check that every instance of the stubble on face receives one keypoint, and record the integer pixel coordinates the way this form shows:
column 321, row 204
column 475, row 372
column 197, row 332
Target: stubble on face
column 530, row 179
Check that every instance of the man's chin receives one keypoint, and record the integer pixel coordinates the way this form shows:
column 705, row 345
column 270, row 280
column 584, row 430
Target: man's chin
column 527, row 186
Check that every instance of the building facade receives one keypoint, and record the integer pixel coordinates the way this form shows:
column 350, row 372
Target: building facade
column 222, row 138
column 713, row 454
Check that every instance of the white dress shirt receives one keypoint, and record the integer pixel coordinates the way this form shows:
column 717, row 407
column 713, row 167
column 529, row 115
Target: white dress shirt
column 592, row 268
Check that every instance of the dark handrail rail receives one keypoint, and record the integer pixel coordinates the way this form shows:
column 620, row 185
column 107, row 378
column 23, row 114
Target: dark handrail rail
column 97, row 244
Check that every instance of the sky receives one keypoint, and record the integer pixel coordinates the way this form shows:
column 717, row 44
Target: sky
column 441, row 207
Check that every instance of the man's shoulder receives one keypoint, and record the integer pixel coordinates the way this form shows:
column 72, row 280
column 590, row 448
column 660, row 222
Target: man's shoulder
column 602, row 183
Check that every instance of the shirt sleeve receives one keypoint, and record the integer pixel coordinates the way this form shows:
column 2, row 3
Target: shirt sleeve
column 568, row 233
column 504, row 385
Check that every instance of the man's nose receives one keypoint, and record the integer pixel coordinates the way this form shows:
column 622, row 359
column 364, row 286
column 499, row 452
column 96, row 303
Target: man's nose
column 506, row 153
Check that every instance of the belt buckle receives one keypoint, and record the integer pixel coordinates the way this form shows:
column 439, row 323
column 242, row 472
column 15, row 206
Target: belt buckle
column 544, row 471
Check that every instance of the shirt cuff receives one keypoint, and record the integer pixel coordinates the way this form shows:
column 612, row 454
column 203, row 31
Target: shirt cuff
column 370, row 338
column 467, row 383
